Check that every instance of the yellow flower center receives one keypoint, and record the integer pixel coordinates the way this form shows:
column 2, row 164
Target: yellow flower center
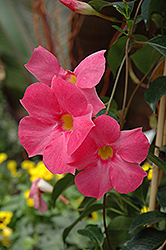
column 71, row 78
column 67, row 122
column 105, row 152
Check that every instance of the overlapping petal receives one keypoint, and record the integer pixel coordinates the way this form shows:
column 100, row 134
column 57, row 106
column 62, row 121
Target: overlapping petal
column 132, row 145
column 90, row 70
column 94, row 181
column 40, row 100
column 44, row 65
column 125, row 177
column 36, row 133
column 55, row 156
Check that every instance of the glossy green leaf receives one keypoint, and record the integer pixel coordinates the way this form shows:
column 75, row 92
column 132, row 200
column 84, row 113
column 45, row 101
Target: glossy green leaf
column 94, row 233
column 118, row 230
column 61, row 185
column 111, row 114
column 159, row 43
column 147, row 239
column 155, row 91
column 119, row 29
column 116, row 54
column 148, row 218
column 161, row 197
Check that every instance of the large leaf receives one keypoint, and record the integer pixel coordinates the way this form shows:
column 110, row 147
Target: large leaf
column 94, row 233
column 155, row 91
column 116, row 54
column 118, row 229
column 85, row 213
column 161, row 197
column 157, row 6
column 145, row 56
column 147, row 239
column 61, row 185
column 145, row 11
column 148, row 218
column 159, row 43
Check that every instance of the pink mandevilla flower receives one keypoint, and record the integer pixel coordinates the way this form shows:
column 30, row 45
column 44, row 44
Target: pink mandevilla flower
column 35, row 194
column 79, row 7
column 110, row 159
column 58, row 122
column 44, row 66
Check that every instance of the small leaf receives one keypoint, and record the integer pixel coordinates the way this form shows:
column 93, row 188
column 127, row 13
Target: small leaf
column 157, row 6
column 102, row 112
column 94, row 233
column 147, row 239
column 145, row 11
column 119, row 29
column 159, row 43
column 99, row 5
column 148, row 218
column 155, row 91
column 61, row 185
column 157, row 161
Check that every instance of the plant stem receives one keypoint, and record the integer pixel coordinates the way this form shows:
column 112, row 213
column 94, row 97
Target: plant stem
column 115, row 85
column 104, row 221
column 136, row 88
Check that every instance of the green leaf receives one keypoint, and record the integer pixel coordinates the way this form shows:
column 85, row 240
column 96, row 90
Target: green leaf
column 148, row 218
column 157, row 161
column 161, row 197
column 111, row 114
column 99, row 5
column 85, row 213
column 116, row 54
column 119, row 29
column 159, row 43
column 145, row 12
column 147, row 239
column 94, row 233
column 145, row 56
column 155, row 91
column 157, row 6
column 118, row 230
column 61, row 185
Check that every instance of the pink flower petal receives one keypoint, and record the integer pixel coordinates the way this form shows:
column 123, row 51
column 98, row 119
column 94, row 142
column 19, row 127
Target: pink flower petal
column 94, row 181
column 93, row 99
column 132, row 145
column 81, row 127
column 125, row 177
column 106, row 131
column 90, row 70
column 70, row 98
column 43, row 65
column 35, row 194
column 55, row 156
column 36, row 133
column 40, row 100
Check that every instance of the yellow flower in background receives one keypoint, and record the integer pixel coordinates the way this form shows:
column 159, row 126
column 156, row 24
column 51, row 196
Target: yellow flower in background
column 147, row 167
column 6, row 233
column 12, row 166
column 40, row 171
column 144, row 210
column 59, row 176
column 29, row 200
column 3, row 157
column 27, row 165
column 5, row 218
column 94, row 216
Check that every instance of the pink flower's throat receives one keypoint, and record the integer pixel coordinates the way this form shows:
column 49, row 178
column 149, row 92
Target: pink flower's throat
column 67, row 122
column 105, row 152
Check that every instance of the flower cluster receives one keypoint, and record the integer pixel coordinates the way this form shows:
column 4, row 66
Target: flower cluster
column 62, row 127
